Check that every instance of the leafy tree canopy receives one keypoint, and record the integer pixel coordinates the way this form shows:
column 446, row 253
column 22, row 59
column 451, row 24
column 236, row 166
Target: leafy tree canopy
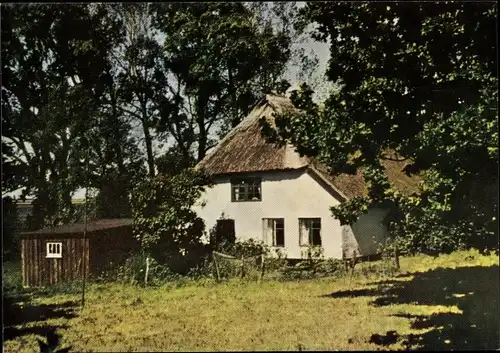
column 419, row 79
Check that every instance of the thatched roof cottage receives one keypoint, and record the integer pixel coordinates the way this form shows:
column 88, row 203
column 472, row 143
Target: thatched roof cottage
column 271, row 193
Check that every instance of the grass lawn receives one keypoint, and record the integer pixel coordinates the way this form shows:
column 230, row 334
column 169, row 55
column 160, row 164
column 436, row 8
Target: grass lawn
column 448, row 302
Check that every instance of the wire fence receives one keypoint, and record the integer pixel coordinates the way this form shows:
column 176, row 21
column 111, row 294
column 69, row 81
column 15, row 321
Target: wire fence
column 227, row 266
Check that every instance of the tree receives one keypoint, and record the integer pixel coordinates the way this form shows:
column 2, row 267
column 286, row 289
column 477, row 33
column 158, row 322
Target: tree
column 173, row 162
column 142, row 77
column 222, row 61
column 9, row 228
column 419, row 79
column 167, row 227
column 57, row 88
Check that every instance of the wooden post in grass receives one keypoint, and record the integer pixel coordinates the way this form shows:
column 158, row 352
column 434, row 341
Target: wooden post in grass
column 262, row 267
column 216, row 267
column 396, row 257
column 85, row 249
column 147, row 271
column 242, row 266
column 354, row 261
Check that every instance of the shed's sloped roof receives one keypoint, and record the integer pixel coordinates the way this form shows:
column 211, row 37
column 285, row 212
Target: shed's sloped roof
column 100, row 224
column 244, row 150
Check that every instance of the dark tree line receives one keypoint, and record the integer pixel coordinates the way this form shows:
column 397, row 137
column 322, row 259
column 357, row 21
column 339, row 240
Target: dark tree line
column 89, row 91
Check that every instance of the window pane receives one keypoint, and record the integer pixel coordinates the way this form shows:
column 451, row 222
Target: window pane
column 267, row 230
column 310, row 231
column 274, row 232
column 251, row 192
column 304, row 232
column 316, row 236
column 243, row 192
column 280, row 237
column 254, row 190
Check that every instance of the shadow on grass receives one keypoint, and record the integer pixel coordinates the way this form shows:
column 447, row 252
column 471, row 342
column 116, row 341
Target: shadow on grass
column 19, row 311
column 353, row 293
column 473, row 290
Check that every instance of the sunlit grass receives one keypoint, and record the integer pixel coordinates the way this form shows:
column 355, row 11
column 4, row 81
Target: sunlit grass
column 257, row 316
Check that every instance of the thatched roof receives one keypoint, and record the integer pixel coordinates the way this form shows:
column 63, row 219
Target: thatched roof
column 78, row 228
column 349, row 185
column 244, row 150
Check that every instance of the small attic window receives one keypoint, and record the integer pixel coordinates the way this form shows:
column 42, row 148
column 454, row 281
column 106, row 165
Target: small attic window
column 247, row 189
column 54, row 250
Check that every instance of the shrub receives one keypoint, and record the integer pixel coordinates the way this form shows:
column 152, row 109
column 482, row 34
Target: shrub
column 276, row 264
column 165, row 223
column 251, row 252
column 133, row 271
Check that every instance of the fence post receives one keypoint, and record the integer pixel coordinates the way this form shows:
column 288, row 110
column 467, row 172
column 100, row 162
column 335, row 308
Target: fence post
column 262, row 267
column 147, row 271
column 242, row 266
column 396, row 258
column 216, row 267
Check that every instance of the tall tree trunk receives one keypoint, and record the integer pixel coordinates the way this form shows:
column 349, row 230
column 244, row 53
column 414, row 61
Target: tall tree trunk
column 149, row 148
column 202, row 140
column 200, row 120
column 114, row 109
column 234, row 118
column 148, row 140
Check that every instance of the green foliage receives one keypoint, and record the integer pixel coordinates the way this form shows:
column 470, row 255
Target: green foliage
column 10, row 240
column 133, row 271
column 221, row 242
column 421, row 80
column 349, row 211
column 224, row 59
column 59, row 107
column 164, row 221
column 173, row 162
column 246, row 261
column 276, row 263
column 314, row 258
column 245, row 248
column 78, row 82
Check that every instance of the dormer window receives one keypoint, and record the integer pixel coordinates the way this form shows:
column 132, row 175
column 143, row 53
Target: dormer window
column 246, row 189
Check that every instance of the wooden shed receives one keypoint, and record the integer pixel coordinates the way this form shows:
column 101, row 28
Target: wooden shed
column 54, row 255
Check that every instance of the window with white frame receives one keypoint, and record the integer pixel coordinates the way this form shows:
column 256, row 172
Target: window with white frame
column 310, row 231
column 54, row 250
column 274, row 231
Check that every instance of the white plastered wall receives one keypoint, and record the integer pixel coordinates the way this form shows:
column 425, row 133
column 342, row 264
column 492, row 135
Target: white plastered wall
column 285, row 194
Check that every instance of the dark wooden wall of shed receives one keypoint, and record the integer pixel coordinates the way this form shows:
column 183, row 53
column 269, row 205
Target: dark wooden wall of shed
column 111, row 247
column 37, row 270
column 101, row 248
